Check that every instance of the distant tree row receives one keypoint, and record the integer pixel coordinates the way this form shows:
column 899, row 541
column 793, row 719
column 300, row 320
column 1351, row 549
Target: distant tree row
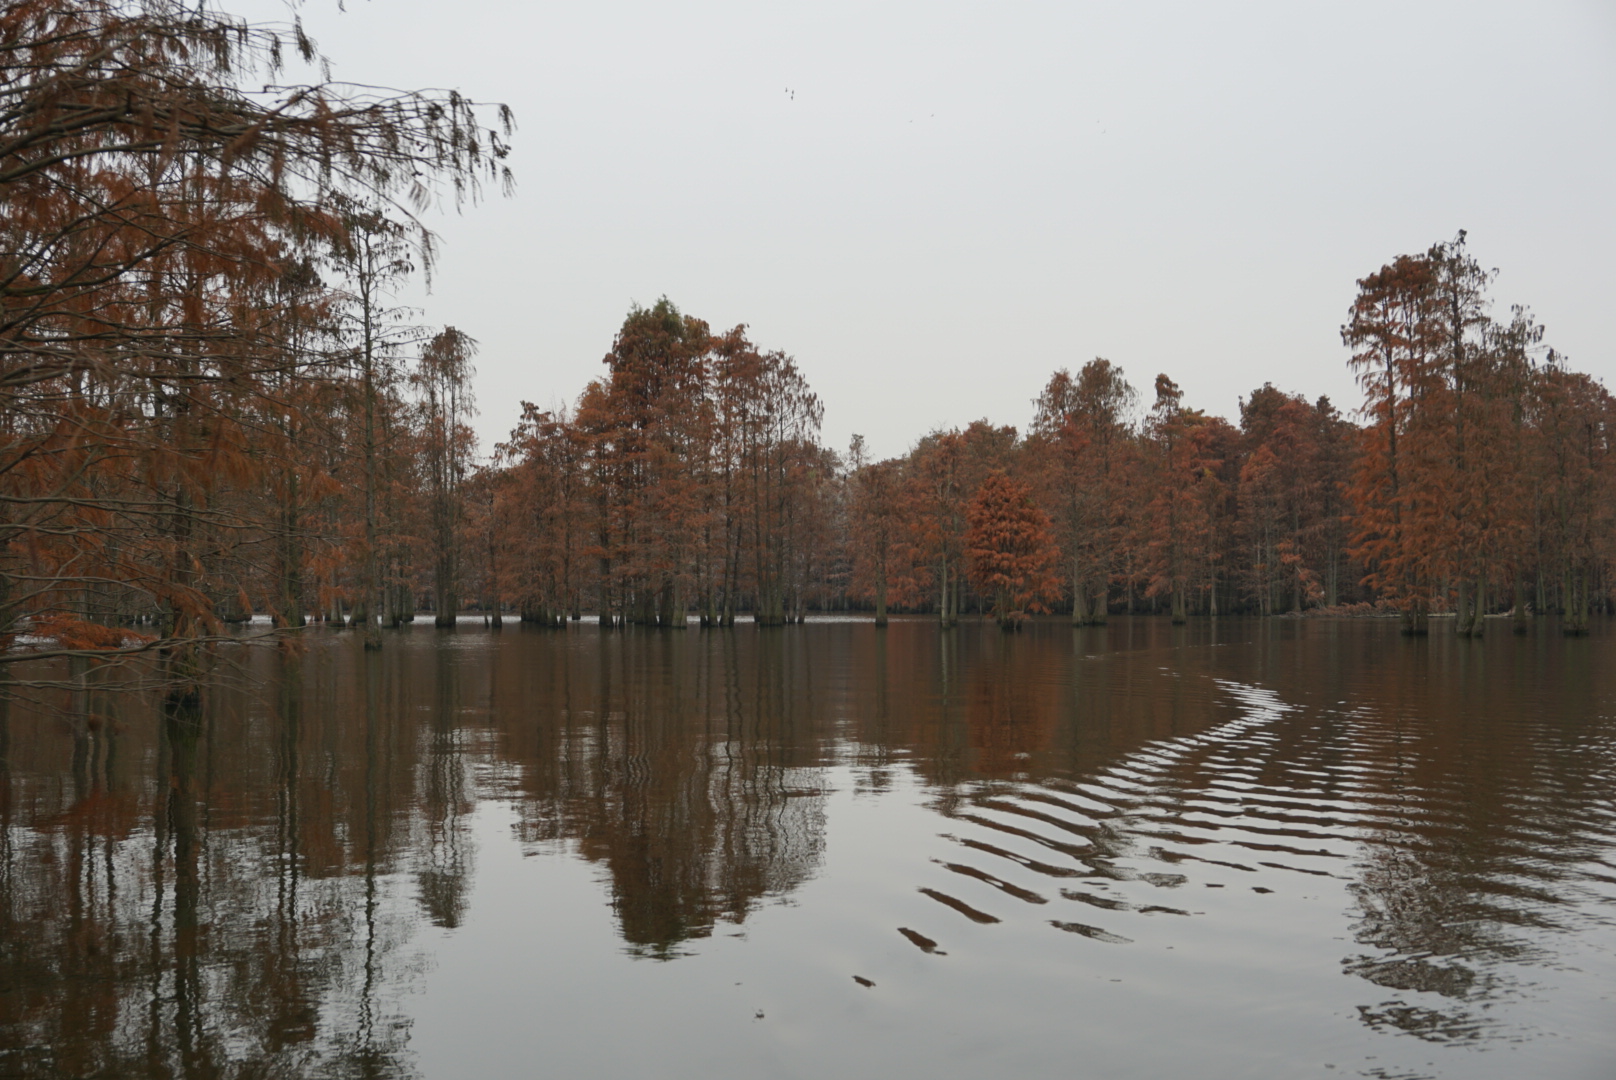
column 690, row 479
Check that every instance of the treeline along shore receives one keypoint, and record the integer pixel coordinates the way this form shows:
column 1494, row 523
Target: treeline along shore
column 211, row 409
column 689, row 480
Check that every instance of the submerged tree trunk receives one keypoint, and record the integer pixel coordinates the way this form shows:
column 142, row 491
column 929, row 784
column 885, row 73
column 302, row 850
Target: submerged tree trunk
column 1576, row 602
column 447, row 605
column 671, row 615
column 1416, row 619
column 369, row 590
column 291, row 556
column 1099, row 607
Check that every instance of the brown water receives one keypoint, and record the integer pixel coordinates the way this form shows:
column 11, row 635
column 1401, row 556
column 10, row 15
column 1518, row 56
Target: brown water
column 1256, row 849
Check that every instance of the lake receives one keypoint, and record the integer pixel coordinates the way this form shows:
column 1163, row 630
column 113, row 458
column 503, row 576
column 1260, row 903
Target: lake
column 1238, row 848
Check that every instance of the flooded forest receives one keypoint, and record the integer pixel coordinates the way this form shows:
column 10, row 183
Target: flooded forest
column 333, row 744
column 212, row 411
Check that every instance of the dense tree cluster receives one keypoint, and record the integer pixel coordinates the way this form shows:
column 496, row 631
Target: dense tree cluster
column 1481, row 474
column 200, row 379
column 690, row 479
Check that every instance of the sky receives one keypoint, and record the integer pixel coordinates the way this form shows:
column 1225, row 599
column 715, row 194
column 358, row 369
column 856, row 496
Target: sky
column 933, row 206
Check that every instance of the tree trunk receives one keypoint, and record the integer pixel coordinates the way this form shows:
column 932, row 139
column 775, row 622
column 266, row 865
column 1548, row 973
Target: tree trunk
column 445, row 601
column 1416, row 620
column 1332, row 577
column 1576, row 602
column 1001, row 610
column 672, row 615
column 291, row 557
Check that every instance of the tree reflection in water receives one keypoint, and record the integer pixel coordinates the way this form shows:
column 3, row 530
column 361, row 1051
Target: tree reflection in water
column 443, row 876
column 1480, row 841
column 694, row 784
column 241, row 887
column 210, row 894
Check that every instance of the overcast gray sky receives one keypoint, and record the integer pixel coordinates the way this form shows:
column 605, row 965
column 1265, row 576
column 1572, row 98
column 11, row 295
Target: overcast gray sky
column 932, row 206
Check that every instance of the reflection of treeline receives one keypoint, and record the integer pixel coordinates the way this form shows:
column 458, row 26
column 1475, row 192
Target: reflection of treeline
column 963, row 707
column 259, row 863
column 1478, row 850
column 1433, row 782
column 206, row 890
column 688, row 771
column 689, row 767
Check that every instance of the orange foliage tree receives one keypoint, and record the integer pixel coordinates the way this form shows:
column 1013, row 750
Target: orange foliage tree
column 1392, row 332
column 1466, row 467
column 152, row 203
column 1010, row 549
column 1080, row 441
column 885, row 559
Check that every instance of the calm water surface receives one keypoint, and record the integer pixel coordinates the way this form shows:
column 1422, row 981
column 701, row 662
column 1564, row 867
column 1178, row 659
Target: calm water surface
column 1256, row 849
